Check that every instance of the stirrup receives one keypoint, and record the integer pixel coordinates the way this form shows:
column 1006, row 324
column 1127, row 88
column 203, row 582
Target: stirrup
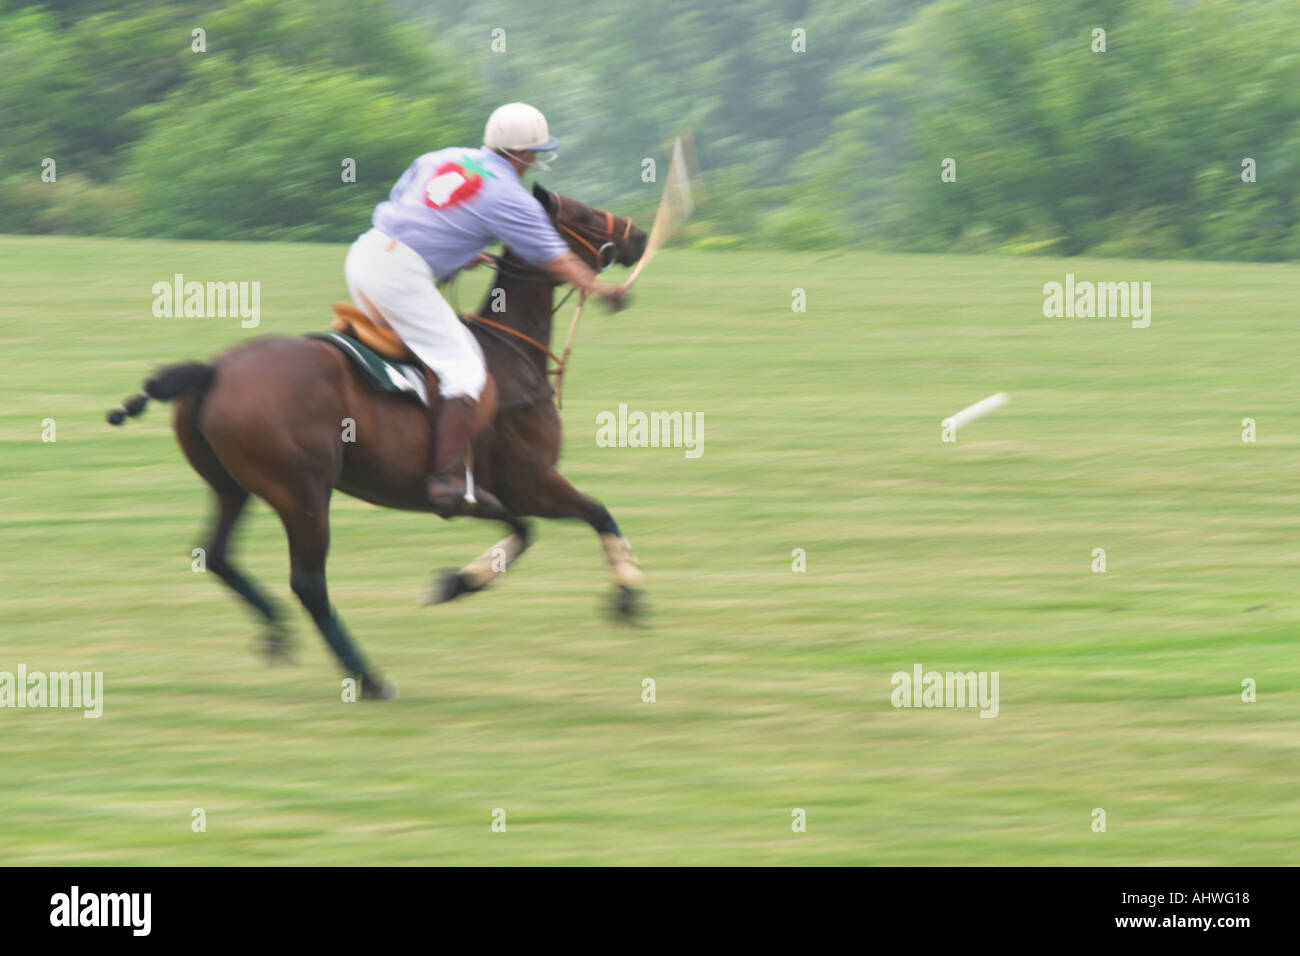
column 469, row 486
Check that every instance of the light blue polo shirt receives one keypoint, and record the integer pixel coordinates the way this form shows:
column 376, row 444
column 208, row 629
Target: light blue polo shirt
column 451, row 204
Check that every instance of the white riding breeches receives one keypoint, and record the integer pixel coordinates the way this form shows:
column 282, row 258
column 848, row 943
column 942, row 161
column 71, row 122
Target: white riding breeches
column 390, row 278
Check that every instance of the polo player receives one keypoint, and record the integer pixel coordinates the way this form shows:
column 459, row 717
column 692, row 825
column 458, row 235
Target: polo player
column 440, row 216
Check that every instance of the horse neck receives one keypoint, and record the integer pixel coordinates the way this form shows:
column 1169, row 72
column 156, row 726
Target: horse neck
column 527, row 306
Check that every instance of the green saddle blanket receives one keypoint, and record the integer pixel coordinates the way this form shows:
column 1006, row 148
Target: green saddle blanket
column 398, row 378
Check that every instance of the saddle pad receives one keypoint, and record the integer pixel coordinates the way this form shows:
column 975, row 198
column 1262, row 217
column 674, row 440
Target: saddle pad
column 398, row 378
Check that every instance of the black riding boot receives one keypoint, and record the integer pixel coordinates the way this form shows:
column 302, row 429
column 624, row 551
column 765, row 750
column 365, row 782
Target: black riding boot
column 445, row 483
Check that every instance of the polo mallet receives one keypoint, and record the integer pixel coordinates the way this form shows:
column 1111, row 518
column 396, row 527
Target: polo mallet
column 681, row 188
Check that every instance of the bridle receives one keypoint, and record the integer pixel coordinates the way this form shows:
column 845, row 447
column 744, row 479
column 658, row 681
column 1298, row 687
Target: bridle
column 587, row 241
column 606, row 234
column 593, row 235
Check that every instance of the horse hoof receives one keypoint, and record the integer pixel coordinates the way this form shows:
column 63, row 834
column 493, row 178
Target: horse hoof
column 378, row 688
column 629, row 605
column 446, row 586
column 277, row 644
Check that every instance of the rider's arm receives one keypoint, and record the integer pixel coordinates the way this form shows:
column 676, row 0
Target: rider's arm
column 523, row 225
column 569, row 268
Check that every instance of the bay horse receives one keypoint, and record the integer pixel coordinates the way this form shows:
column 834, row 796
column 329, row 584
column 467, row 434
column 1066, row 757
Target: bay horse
column 267, row 418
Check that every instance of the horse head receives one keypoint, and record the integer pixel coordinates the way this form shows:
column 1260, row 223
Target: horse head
column 599, row 238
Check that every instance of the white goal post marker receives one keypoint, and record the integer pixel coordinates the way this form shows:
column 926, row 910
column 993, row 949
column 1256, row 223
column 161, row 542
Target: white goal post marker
column 974, row 412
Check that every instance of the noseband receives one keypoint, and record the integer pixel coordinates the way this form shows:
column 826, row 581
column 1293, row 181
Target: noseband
column 607, row 240
column 593, row 235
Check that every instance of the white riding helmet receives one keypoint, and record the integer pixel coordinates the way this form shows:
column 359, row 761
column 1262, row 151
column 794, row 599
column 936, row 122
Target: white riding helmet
column 518, row 127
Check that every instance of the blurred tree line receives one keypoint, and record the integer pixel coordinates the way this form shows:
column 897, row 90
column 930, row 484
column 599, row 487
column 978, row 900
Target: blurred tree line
column 244, row 141
column 1055, row 146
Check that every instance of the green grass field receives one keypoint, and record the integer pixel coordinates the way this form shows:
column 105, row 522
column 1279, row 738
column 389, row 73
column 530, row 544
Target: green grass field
column 1118, row 690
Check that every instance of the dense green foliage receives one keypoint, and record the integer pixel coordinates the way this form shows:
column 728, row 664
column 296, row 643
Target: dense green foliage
column 1136, row 150
column 245, row 140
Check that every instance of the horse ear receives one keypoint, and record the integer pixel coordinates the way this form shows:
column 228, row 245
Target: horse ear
column 543, row 197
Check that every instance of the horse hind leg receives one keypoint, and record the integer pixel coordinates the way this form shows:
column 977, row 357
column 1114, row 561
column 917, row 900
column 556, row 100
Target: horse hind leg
column 306, row 522
column 292, row 463
column 276, row 642
column 231, row 499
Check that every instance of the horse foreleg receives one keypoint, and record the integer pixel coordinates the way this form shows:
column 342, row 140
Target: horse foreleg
column 484, row 569
column 554, row 497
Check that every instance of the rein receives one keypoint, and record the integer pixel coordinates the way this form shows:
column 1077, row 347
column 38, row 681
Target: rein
column 561, row 363
column 500, row 327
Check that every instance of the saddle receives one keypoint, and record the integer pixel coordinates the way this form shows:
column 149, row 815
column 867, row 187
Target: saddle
column 379, row 338
column 375, row 334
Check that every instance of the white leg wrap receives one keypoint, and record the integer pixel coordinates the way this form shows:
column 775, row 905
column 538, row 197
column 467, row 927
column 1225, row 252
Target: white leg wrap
column 627, row 573
column 484, row 569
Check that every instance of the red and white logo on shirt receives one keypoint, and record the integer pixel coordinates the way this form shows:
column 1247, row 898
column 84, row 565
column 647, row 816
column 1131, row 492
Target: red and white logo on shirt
column 451, row 183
